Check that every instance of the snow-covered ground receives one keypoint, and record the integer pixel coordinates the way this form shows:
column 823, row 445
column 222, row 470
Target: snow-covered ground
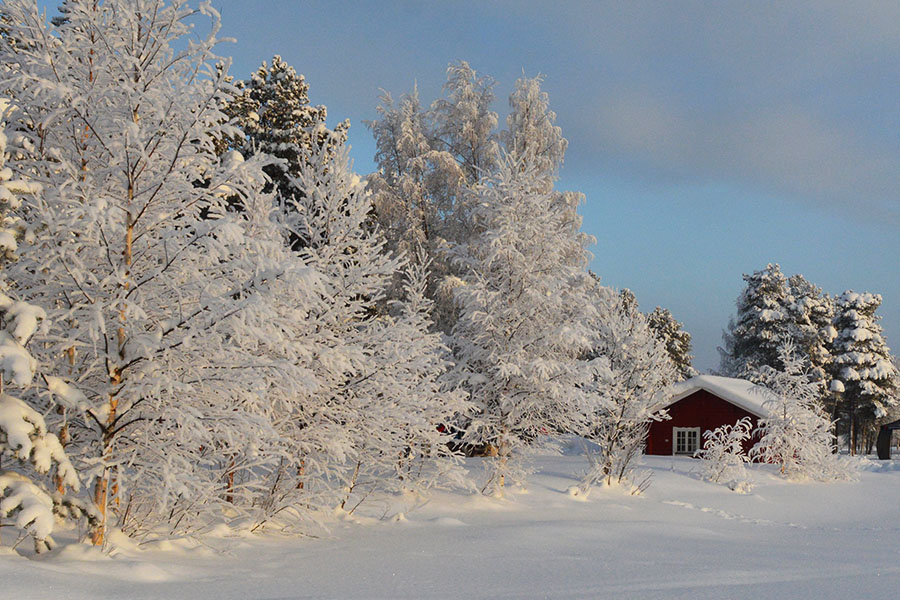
column 683, row 538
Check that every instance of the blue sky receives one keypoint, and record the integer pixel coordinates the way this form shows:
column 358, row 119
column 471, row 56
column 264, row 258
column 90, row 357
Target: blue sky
column 709, row 138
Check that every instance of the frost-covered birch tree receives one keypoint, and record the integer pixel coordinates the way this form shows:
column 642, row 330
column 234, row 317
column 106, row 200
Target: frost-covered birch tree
column 723, row 455
column 522, row 322
column 378, row 390
column 133, row 248
column 632, row 373
column 428, row 159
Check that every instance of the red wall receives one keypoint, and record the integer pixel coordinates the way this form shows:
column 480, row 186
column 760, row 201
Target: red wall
column 701, row 409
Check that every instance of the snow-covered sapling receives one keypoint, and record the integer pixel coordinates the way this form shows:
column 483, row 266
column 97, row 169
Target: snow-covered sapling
column 632, row 372
column 723, row 455
column 796, row 434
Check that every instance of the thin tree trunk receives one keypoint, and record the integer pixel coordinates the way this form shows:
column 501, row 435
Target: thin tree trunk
column 229, row 482
column 64, row 430
column 102, row 486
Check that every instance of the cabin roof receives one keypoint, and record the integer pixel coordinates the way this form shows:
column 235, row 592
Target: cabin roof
column 740, row 392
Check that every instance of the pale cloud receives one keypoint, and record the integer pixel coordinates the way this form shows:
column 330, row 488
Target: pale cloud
column 781, row 151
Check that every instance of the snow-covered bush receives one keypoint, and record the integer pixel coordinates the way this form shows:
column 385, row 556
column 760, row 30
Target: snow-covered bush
column 723, row 455
column 796, row 435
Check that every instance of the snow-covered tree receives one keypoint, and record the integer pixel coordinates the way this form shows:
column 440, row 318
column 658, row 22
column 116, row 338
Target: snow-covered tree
column 676, row 340
column 761, row 325
column 723, row 455
column 463, row 122
column 796, row 434
column 415, row 193
column 135, row 256
column 772, row 310
column 379, row 391
column 862, row 364
column 523, row 310
column 811, row 312
column 24, row 435
column 531, row 136
column 632, row 373
column 276, row 119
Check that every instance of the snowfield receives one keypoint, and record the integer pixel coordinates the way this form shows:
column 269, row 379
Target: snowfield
column 683, row 538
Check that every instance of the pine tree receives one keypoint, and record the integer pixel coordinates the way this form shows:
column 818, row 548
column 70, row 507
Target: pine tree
column 277, row 120
column 676, row 340
column 24, row 435
column 761, row 325
column 862, row 364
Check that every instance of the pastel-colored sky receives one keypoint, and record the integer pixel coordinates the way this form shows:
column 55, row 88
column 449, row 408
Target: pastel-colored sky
column 709, row 138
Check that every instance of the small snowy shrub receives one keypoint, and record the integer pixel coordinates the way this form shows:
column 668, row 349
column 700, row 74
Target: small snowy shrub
column 796, row 435
column 723, row 455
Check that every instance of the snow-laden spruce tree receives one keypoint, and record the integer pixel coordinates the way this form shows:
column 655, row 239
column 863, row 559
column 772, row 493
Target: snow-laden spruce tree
column 811, row 314
column 677, row 341
column 134, row 250
column 796, row 435
column 772, row 310
column 377, row 373
column 760, row 326
column 862, row 365
column 723, row 455
column 632, row 374
column 25, row 438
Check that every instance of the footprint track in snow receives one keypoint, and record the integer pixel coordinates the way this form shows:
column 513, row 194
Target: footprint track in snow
column 730, row 516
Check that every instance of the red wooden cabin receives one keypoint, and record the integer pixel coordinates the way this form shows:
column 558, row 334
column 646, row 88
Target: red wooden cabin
column 699, row 404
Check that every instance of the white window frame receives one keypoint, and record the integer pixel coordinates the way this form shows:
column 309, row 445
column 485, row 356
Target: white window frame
column 676, row 431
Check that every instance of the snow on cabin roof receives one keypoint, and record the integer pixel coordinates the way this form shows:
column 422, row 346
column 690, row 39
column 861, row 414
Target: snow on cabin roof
column 740, row 392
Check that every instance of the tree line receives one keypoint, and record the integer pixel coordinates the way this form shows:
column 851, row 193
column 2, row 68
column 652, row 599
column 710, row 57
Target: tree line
column 849, row 363
column 208, row 315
